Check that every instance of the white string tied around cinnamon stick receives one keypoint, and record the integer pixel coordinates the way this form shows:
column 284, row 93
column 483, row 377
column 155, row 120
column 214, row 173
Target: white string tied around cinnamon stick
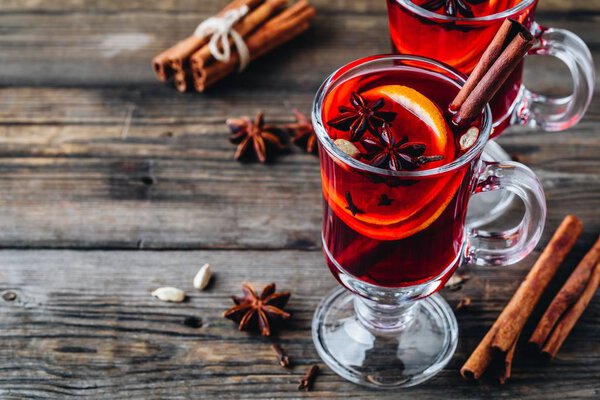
column 221, row 28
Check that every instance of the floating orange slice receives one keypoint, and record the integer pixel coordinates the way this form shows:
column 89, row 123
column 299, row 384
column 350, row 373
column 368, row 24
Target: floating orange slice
column 417, row 205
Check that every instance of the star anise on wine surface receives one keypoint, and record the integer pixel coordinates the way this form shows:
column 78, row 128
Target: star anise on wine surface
column 384, row 200
column 351, row 206
column 385, row 152
column 452, row 8
column 254, row 312
column 254, row 138
column 304, row 134
column 361, row 117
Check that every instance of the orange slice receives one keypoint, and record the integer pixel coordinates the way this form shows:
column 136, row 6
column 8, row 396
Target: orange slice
column 423, row 108
column 415, row 206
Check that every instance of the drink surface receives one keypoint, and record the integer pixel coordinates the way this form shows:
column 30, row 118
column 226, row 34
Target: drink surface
column 387, row 230
column 467, row 8
column 459, row 43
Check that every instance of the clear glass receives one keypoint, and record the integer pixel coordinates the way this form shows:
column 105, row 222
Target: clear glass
column 460, row 42
column 388, row 328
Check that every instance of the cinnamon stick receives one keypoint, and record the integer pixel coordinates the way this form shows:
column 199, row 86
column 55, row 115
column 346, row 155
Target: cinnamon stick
column 563, row 328
column 174, row 58
column 527, row 295
column 501, row 57
column 498, row 343
column 183, row 80
column 246, row 26
column 278, row 30
column 568, row 295
column 507, row 370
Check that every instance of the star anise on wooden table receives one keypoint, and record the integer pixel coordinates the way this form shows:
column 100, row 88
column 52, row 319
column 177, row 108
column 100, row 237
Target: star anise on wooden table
column 385, row 152
column 361, row 117
column 452, row 8
column 255, row 312
column 304, row 134
column 254, row 138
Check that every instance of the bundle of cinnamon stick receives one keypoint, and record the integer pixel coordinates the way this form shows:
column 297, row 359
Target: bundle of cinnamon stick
column 266, row 25
column 494, row 355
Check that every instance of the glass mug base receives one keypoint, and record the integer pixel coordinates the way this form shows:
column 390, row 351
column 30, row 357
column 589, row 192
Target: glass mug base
column 414, row 353
column 487, row 207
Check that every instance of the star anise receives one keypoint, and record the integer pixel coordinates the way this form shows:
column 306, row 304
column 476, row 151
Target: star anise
column 254, row 312
column 384, row 200
column 351, row 206
column 362, row 116
column 384, row 152
column 452, row 8
column 304, row 134
column 254, row 138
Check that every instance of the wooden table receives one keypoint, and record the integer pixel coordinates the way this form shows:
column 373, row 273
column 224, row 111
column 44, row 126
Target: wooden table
column 113, row 184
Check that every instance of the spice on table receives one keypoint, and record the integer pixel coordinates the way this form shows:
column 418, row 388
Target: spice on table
column 258, row 312
column 456, row 281
column 240, row 33
column 497, row 346
column 562, row 313
column 282, row 358
column 462, row 304
column 276, row 31
column 307, row 382
column 177, row 56
column 304, row 134
column 247, row 25
column 170, row 294
column 501, row 57
column 9, row 296
column 254, row 138
column 202, row 277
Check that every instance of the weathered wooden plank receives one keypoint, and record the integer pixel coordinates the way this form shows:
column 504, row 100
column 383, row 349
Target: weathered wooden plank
column 95, row 50
column 176, row 186
column 84, row 324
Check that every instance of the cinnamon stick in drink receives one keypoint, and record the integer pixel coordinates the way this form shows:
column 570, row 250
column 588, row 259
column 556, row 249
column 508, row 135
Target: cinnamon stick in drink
column 509, row 46
column 174, row 58
column 246, row 26
column 566, row 298
column 564, row 326
column 278, row 30
column 497, row 345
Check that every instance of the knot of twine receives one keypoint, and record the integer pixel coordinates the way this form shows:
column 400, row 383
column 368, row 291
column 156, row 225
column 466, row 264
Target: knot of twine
column 220, row 29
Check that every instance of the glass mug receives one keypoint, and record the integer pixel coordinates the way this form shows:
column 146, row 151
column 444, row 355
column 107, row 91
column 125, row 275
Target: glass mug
column 386, row 327
column 460, row 43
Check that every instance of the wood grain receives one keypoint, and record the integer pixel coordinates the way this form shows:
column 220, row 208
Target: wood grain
column 84, row 324
column 112, row 184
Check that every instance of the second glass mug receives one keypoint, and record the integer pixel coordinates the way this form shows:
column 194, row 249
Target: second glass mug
column 387, row 327
column 460, row 42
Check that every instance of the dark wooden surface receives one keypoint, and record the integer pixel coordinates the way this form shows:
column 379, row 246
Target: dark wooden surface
column 112, row 184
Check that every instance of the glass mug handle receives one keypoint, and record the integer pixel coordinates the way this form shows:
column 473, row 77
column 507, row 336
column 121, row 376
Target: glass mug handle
column 557, row 114
column 509, row 246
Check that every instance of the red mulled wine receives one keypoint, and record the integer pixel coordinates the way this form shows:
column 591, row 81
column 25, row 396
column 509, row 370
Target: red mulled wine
column 456, row 35
column 382, row 225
